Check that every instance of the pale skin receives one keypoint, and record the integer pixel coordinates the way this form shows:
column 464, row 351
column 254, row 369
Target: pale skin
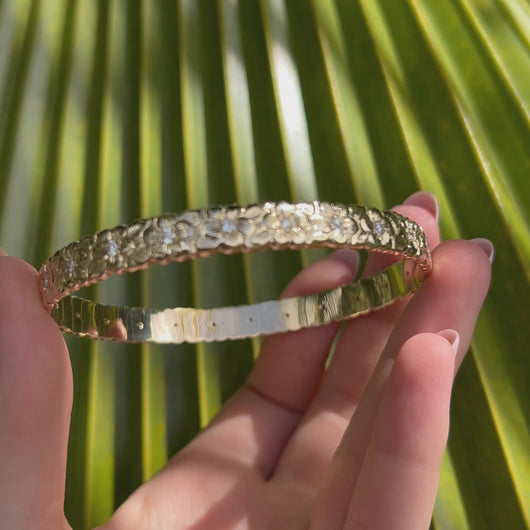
column 357, row 446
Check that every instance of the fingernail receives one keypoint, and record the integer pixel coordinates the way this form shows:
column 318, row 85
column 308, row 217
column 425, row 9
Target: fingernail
column 452, row 337
column 486, row 245
column 424, row 200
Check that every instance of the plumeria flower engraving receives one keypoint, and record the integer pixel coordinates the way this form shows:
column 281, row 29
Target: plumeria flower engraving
column 188, row 226
column 67, row 267
column 164, row 236
column 107, row 249
column 333, row 221
column 288, row 224
column 414, row 238
column 225, row 226
column 380, row 229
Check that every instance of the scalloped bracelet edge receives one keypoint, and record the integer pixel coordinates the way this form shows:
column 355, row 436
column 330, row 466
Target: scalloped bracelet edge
column 232, row 229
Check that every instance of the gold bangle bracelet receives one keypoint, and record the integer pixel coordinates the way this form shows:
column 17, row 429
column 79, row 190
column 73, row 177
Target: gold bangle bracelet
column 228, row 230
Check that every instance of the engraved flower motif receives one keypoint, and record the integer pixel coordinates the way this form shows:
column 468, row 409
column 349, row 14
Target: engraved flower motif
column 289, row 223
column 68, row 264
column 375, row 230
column 225, row 226
column 188, row 227
column 75, row 260
column 107, row 249
column 381, row 229
column 252, row 226
column 163, row 237
column 259, row 233
column 415, row 237
column 333, row 221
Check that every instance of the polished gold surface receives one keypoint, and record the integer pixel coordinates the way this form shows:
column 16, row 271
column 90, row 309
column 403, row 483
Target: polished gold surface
column 228, row 230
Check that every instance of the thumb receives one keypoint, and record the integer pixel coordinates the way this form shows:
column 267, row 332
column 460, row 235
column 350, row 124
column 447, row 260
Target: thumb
column 35, row 404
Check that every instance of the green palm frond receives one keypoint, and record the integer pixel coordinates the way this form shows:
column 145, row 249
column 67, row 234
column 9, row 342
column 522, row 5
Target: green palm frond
column 115, row 110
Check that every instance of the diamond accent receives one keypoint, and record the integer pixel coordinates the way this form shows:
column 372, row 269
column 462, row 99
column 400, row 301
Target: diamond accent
column 45, row 279
column 379, row 227
column 112, row 248
column 69, row 266
column 286, row 223
column 336, row 223
column 228, row 226
column 168, row 236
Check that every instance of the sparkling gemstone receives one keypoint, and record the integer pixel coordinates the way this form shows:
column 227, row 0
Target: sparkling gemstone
column 168, row 236
column 336, row 223
column 228, row 226
column 112, row 248
column 286, row 223
column 70, row 266
column 379, row 228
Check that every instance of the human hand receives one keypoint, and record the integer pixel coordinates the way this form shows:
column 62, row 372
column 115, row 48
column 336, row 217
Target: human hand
column 356, row 446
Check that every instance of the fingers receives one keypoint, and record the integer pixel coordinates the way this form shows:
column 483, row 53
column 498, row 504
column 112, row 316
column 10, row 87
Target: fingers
column 253, row 426
column 399, row 477
column 450, row 298
column 355, row 357
column 280, row 377
column 35, row 398
column 363, row 339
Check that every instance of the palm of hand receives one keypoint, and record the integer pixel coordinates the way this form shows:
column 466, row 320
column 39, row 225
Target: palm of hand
column 357, row 445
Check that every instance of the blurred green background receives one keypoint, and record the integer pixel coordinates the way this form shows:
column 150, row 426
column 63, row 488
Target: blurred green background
column 119, row 109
